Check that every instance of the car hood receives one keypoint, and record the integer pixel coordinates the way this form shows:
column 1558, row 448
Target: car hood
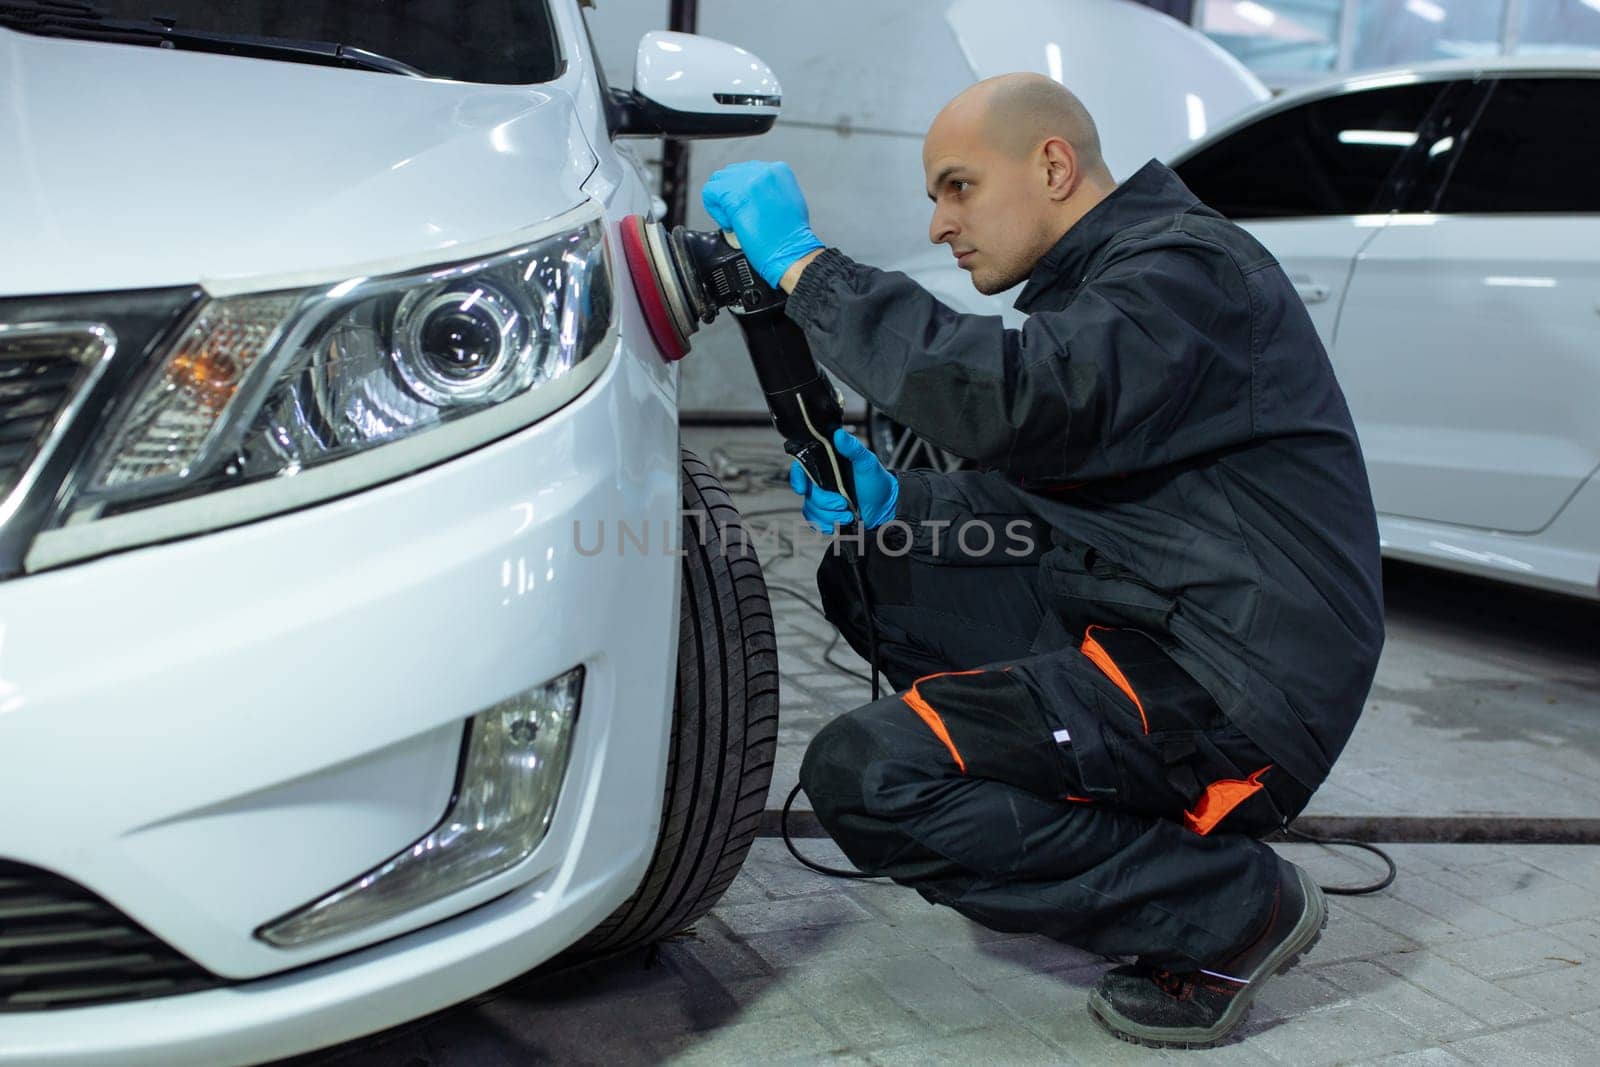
column 129, row 166
column 1152, row 84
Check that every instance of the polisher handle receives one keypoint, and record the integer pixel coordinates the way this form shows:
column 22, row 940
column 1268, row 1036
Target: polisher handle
column 804, row 404
column 826, row 468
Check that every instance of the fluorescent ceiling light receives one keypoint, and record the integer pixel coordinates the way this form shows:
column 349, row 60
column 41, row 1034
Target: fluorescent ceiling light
column 1444, row 144
column 1052, row 59
column 1254, row 12
column 1389, row 138
column 1426, row 9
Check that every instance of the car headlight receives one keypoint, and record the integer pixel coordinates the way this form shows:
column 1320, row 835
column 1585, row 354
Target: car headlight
column 246, row 412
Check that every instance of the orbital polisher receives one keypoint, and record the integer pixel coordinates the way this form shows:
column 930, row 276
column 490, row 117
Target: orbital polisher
column 683, row 278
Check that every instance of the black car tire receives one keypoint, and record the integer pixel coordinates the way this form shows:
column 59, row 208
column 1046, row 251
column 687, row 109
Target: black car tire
column 725, row 726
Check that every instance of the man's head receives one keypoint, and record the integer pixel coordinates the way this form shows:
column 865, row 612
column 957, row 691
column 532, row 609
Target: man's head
column 1011, row 164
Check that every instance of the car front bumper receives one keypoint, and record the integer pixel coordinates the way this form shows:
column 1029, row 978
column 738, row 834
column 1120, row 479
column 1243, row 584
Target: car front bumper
column 214, row 732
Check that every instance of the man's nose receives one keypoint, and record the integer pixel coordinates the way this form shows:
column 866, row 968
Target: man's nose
column 942, row 227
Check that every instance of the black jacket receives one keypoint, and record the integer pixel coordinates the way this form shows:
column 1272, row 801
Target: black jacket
column 1169, row 412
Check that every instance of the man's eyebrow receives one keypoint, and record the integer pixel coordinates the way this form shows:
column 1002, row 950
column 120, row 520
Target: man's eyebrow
column 939, row 179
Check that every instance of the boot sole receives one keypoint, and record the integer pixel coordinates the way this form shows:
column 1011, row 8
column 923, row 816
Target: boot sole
column 1304, row 937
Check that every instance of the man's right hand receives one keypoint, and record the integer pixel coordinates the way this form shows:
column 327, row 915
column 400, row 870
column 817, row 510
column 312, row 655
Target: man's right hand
column 763, row 206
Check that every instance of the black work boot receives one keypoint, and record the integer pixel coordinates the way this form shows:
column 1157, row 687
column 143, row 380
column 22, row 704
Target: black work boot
column 1197, row 1009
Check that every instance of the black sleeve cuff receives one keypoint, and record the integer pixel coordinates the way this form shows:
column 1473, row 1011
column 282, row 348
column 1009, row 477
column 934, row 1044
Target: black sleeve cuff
column 912, row 504
column 809, row 302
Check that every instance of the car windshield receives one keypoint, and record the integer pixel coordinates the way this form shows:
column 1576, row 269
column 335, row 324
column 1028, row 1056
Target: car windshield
column 505, row 42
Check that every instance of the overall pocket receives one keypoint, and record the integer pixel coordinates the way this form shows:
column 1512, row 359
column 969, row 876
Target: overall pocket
column 1073, row 715
column 990, row 722
column 1104, row 594
column 1243, row 792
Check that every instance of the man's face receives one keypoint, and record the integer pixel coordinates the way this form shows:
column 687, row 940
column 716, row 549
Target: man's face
column 991, row 208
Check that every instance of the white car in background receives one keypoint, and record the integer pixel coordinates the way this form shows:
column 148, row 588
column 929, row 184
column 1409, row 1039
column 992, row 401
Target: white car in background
column 349, row 664
column 1441, row 222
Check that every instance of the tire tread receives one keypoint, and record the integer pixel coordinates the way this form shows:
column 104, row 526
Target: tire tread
column 725, row 726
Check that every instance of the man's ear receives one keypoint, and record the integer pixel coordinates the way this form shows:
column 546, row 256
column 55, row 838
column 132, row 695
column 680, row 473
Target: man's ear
column 1061, row 168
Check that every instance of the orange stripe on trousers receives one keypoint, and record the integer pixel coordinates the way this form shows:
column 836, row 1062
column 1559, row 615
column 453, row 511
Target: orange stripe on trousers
column 1102, row 659
column 916, row 702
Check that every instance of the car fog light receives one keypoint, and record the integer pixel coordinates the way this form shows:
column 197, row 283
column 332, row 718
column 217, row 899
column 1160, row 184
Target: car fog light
column 512, row 767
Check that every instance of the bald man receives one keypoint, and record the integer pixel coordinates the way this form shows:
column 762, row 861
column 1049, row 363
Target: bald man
column 1135, row 639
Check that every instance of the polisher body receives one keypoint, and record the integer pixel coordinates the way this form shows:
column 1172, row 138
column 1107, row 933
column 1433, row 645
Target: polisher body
column 683, row 278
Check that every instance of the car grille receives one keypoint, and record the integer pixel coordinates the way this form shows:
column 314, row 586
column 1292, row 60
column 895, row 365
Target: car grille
column 39, row 373
column 62, row 946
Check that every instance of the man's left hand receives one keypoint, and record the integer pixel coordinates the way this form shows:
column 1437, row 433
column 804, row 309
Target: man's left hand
column 877, row 491
column 763, row 206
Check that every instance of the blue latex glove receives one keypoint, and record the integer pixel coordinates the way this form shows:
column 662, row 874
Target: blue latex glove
column 762, row 204
column 877, row 491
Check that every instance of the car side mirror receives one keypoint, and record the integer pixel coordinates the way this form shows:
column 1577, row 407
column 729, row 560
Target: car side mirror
column 690, row 86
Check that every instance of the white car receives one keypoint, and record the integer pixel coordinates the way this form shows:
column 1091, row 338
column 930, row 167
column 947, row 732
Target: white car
column 1442, row 223
column 351, row 661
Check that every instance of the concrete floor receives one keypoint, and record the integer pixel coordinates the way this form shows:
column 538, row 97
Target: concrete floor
column 1484, row 724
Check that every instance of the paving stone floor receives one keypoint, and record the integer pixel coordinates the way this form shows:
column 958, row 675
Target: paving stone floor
column 1487, row 704
column 1478, row 954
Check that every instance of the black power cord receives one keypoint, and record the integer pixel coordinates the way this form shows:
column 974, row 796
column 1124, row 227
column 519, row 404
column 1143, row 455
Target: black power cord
column 1350, row 890
column 820, row 868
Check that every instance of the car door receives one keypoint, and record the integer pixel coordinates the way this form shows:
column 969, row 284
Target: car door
column 1308, row 179
column 1469, row 344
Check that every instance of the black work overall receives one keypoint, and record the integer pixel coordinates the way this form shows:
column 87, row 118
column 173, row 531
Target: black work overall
column 1139, row 637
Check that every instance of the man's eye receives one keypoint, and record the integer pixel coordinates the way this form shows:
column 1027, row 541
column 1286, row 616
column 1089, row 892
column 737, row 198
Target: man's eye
column 960, row 185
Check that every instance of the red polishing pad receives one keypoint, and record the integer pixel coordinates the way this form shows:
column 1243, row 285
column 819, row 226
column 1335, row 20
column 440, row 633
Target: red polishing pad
column 647, row 284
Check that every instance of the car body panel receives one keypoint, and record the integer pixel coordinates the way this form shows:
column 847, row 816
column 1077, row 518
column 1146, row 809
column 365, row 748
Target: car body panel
column 216, row 734
column 320, row 1005
column 1561, row 558
column 605, row 821
column 1469, row 349
column 304, row 168
column 222, row 728
column 1318, row 255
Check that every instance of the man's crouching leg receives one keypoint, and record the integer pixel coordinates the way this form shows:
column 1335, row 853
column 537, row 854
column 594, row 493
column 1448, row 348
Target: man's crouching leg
column 970, row 819
column 945, row 804
column 859, row 770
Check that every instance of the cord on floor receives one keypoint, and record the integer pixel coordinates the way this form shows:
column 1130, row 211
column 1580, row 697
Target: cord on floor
column 1351, row 890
